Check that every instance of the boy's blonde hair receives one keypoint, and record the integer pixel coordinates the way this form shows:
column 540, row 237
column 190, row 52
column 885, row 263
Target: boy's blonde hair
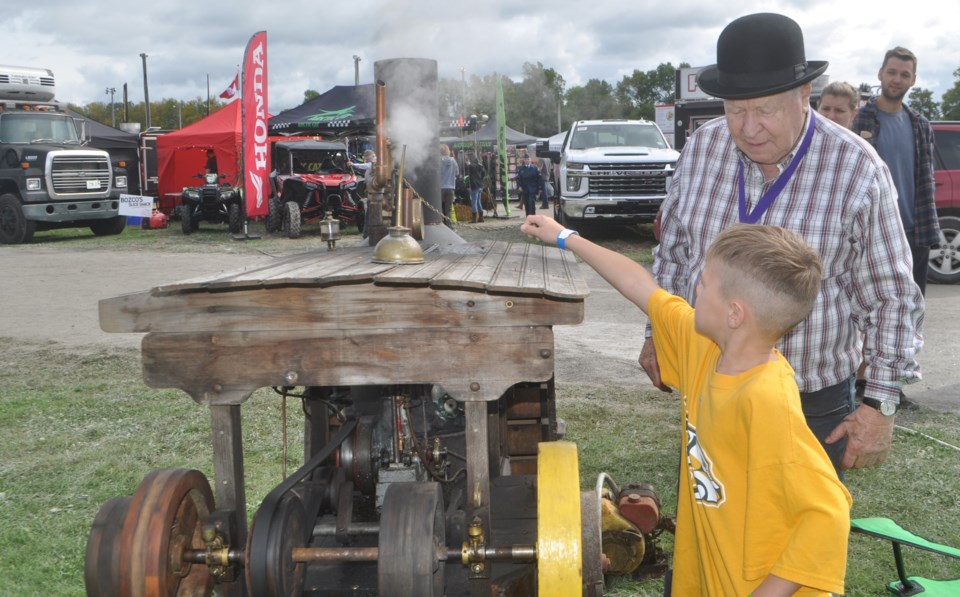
column 444, row 150
column 772, row 270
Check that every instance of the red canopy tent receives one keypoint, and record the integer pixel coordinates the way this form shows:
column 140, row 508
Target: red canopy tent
column 182, row 154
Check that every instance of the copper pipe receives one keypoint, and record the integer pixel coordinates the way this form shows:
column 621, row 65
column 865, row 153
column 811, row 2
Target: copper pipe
column 381, row 170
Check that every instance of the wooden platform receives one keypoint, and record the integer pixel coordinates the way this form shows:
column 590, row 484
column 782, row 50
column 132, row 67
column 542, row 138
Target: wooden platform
column 476, row 320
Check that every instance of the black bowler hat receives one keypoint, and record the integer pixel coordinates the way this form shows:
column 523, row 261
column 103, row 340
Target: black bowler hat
column 757, row 55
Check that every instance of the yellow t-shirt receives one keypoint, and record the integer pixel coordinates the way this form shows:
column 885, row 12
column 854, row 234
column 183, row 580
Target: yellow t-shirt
column 757, row 494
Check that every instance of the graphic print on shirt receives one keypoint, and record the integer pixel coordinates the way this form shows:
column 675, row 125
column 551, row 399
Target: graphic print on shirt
column 707, row 489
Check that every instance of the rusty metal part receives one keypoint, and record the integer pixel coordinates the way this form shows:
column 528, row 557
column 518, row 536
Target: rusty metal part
column 593, row 559
column 641, row 506
column 623, row 543
column 162, row 524
column 101, row 571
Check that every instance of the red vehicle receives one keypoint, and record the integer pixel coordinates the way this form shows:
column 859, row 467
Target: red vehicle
column 945, row 257
column 311, row 178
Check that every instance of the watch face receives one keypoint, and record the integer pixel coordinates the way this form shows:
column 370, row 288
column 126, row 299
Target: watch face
column 888, row 408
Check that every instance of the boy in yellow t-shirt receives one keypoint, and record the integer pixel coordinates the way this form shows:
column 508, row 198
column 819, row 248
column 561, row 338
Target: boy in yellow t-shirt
column 760, row 509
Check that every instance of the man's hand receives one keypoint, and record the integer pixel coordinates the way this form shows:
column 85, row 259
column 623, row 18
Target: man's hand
column 868, row 436
column 648, row 360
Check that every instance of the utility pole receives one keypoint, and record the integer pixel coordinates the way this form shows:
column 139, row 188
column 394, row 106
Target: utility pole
column 356, row 70
column 146, row 91
column 113, row 114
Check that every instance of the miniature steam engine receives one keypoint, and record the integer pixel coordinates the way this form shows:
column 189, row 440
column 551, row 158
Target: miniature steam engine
column 432, row 465
column 433, row 457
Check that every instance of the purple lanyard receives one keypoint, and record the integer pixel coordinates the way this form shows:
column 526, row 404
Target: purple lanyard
column 766, row 200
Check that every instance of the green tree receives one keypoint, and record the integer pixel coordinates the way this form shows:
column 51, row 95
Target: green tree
column 532, row 103
column 950, row 105
column 596, row 99
column 309, row 94
column 921, row 100
column 639, row 92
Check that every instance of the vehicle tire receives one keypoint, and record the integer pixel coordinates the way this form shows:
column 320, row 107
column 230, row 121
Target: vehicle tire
column 234, row 218
column 15, row 228
column 109, row 227
column 186, row 220
column 944, row 263
column 274, row 218
column 291, row 219
column 561, row 217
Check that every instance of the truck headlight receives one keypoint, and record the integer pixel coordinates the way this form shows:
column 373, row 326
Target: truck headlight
column 33, row 184
column 573, row 182
column 121, row 182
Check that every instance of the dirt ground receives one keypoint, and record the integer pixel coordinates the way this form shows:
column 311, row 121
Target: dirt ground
column 51, row 294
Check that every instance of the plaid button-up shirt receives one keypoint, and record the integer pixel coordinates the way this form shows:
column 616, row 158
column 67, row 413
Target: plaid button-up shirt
column 926, row 229
column 841, row 199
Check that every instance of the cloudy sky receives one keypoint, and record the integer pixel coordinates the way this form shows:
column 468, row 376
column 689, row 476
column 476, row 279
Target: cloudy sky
column 311, row 43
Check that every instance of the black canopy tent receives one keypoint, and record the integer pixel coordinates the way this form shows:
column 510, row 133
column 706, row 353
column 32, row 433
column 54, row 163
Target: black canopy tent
column 121, row 145
column 486, row 137
column 344, row 110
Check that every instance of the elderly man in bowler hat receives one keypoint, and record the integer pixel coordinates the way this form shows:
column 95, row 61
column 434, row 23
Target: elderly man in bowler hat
column 772, row 160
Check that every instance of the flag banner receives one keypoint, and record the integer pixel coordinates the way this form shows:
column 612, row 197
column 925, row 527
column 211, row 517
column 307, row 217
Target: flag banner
column 233, row 90
column 502, row 147
column 255, row 165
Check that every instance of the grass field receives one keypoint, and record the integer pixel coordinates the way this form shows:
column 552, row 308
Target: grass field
column 79, row 427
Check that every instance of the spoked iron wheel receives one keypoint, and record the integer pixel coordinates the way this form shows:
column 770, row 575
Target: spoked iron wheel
column 163, row 520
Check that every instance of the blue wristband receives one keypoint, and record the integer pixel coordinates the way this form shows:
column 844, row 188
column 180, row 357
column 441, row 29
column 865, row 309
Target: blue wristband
column 562, row 237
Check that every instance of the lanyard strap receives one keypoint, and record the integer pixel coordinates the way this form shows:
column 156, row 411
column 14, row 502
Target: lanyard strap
column 766, row 200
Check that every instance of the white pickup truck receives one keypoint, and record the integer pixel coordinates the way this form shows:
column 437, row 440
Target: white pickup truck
column 614, row 171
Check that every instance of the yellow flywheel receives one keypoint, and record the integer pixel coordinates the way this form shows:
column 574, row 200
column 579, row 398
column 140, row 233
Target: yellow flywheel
column 559, row 539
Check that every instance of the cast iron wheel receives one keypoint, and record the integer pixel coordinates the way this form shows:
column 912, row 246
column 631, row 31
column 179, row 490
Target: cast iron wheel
column 407, row 563
column 944, row 263
column 187, row 223
column 559, row 524
column 109, row 227
column 273, row 573
column 101, row 571
column 234, row 218
column 15, row 229
column 164, row 519
column 291, row 219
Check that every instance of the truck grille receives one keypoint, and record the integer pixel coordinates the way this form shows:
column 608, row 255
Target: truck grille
column 76, row 175
column 629, row 180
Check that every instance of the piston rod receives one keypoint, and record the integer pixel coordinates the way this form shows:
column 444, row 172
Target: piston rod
column 371, row 554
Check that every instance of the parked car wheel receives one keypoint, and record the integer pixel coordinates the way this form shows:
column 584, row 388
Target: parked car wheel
column 15, row 228
column 109, row 227
column 291, row 219
column 944, row 265
column 235, row 218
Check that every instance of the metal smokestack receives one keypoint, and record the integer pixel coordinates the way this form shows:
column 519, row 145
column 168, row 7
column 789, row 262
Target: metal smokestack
column 413, row 120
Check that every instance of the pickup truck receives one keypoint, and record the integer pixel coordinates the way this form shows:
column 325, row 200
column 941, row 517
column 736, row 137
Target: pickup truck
column 615, row 171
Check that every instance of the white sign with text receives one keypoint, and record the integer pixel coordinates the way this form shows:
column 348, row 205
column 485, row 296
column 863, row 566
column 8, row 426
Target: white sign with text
column 136, row 205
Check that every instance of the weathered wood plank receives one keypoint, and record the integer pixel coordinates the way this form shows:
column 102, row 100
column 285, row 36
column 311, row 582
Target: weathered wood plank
column 474, row 271
column 472, row 364
column 202, row 282
column 353, row 306
column 433, row 265
column 562, row 277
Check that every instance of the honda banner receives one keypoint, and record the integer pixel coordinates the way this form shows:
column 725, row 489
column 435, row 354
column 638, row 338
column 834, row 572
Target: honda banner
column 256, row 160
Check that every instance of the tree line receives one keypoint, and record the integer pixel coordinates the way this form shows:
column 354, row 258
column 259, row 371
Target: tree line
column 538, row 104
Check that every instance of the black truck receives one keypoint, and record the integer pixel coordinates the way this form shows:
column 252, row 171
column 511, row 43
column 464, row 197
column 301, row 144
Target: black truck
column 48, row 177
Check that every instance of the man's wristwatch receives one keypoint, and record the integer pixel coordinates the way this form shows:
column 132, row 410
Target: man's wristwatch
column 887, row 408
